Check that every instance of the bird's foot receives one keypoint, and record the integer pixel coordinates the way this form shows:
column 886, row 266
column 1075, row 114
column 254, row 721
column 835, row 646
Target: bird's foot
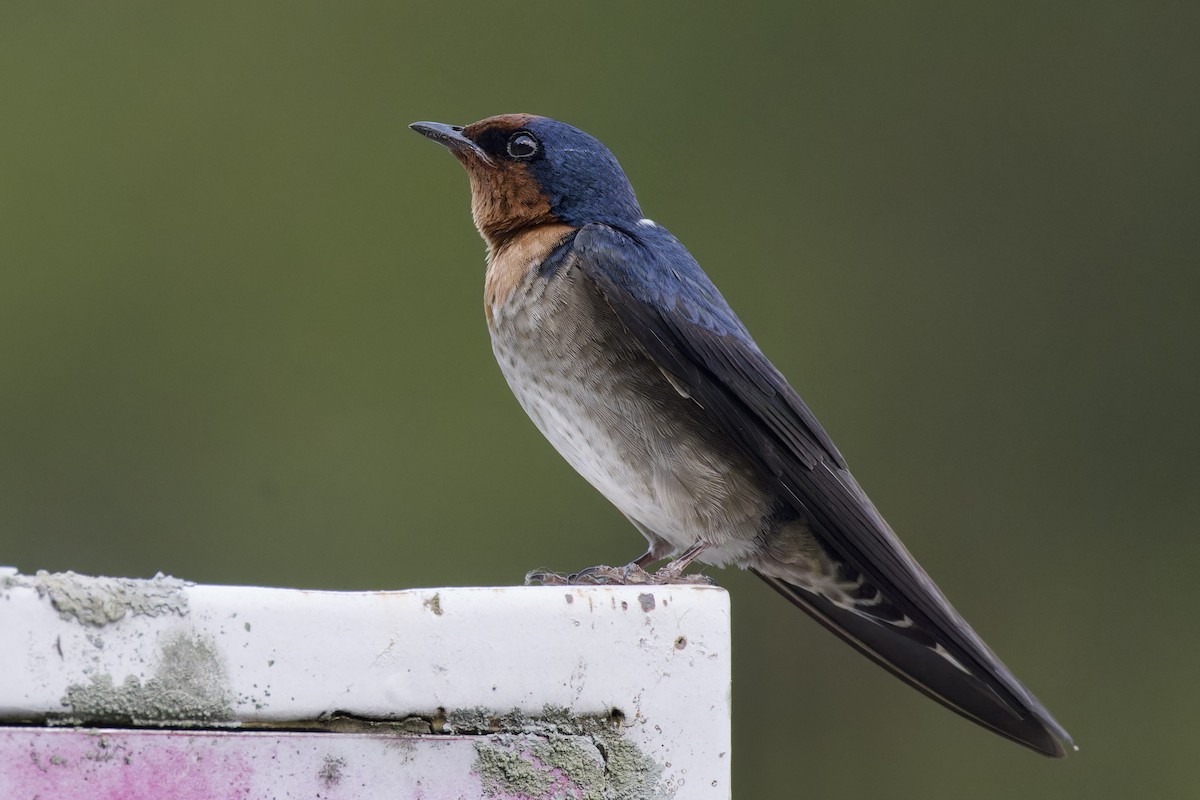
column 599, row 575
column 628, row 575
column 672, row 574
column 544, row 577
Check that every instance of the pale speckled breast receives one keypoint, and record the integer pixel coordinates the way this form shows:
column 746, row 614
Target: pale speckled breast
column 612, row 414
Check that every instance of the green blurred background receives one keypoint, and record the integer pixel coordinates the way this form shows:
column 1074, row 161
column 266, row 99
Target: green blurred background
column 242, row 339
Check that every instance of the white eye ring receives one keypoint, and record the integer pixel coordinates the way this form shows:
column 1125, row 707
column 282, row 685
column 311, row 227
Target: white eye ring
column 522, row 145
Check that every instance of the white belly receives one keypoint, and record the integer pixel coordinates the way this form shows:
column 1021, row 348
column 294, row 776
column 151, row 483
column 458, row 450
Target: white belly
column 614, row 417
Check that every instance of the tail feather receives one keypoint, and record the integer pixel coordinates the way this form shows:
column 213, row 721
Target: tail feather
column 1013, row 714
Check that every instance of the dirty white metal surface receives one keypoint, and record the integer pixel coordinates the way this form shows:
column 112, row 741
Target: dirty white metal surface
column 243, row 692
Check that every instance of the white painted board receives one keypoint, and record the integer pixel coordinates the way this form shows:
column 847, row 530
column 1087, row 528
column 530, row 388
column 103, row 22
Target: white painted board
column 490, row 692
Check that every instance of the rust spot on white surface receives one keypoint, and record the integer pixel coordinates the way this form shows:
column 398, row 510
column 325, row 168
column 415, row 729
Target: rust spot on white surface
column 434, row 604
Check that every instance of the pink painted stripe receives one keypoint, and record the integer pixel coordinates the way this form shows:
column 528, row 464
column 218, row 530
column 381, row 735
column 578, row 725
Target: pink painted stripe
column 99, row 764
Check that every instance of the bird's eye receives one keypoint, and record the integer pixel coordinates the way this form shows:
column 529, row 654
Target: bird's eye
column 522, row 145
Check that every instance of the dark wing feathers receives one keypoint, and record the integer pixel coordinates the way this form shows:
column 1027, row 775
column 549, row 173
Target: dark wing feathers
column 682, row 322
column 925, row 670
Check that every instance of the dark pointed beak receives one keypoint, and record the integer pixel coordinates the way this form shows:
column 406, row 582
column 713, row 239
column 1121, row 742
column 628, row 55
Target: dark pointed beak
column 450, row 136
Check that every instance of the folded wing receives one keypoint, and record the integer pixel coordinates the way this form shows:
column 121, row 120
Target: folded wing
column 681, row 321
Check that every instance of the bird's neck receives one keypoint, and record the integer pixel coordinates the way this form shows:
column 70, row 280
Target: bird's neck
column 511, row 258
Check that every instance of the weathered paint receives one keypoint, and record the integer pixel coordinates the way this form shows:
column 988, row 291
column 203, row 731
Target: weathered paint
column 208, row 765
column 122, row 764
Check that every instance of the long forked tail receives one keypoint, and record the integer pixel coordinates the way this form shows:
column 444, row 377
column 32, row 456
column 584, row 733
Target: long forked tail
column 995, row 700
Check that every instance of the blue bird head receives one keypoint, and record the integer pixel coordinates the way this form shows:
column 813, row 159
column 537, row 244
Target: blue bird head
column 527, row 170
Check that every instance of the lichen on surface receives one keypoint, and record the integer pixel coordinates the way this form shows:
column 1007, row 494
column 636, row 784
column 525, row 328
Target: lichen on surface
column 560, row 754
column 189, row 685
column 100, row 601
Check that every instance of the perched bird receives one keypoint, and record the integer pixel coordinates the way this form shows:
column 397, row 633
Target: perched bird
column 628, row 359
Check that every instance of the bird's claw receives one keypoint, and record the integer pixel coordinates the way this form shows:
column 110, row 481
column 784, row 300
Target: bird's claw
column 669, row 576
column 628, row 575
column 544, row 577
